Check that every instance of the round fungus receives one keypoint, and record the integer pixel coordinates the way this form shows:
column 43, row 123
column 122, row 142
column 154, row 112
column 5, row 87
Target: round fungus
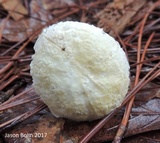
column 79, row 71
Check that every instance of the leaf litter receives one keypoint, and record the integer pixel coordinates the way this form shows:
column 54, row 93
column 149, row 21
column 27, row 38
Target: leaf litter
column 23, row 112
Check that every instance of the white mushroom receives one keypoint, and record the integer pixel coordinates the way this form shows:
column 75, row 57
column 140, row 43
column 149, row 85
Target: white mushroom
column 79, row 71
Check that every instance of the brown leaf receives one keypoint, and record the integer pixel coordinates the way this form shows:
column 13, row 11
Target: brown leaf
column 115, row 16
column 15, row 31
column 50, row 4
column 145, row 116
column 150, row 91
column 149, row 137
column 43, row 129
column 15, row 8
column 158, row 93
column 19, row 30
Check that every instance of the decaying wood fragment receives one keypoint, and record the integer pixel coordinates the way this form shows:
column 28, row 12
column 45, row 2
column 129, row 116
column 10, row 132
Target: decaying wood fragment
column 115, row 16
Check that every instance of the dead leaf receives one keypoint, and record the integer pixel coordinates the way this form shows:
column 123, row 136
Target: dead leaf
column 50, row 4
column 145, row 116
column 14, row 31
column 158, row 94
column 15, row 8
column 150, row 91
column 19, row 30
column 149, row 137
column 43, row 129
column 115, row 16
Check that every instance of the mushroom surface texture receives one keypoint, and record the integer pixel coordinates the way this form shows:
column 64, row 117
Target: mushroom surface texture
column 79, row 71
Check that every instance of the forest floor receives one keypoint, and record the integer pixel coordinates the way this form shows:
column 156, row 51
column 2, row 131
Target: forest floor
column 24, row 118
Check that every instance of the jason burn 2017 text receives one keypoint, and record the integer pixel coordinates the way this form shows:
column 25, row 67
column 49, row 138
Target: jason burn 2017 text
column 26, row 135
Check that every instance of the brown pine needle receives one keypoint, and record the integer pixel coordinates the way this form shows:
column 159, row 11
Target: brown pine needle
column 145, row 61
column 16, row 97
column 14, row 77
column 21, row 118
column 15, row 61
column 19, row 102
column 125, row 119
column 129, row 96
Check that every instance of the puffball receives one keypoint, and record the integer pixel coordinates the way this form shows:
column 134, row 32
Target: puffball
column 79, row 71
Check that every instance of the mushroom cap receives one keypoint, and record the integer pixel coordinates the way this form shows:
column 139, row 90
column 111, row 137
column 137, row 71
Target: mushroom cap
column 79, row 71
